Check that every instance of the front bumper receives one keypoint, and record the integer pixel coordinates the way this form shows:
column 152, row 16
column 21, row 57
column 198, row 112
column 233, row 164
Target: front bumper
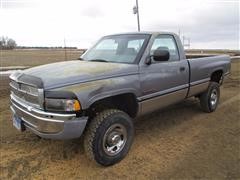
column 48, row 125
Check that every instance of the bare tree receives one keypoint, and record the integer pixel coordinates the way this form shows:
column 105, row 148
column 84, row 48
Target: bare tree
column 11, row 44
column 2, row 42
column 7, row 43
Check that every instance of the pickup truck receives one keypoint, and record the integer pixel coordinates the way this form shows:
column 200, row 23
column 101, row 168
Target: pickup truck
column 120, row 78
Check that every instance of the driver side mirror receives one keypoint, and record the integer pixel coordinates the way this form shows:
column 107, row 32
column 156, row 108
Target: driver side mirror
column 159, row 55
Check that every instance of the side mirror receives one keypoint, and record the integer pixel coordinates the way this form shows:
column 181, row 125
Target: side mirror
column 161, row 55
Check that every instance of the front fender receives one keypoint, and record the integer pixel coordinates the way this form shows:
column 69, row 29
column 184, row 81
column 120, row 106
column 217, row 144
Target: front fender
column 90, row 92
column 104, row 95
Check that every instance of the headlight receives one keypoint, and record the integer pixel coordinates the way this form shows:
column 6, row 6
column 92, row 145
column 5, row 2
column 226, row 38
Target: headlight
column 62, row 104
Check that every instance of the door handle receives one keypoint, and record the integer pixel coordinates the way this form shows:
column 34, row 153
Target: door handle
column 182, row 68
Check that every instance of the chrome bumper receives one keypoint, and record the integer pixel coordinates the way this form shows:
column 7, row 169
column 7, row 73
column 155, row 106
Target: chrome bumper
column 46, row 124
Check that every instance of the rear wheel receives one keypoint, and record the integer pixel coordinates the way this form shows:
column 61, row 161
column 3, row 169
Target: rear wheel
column 109, row 137
column 209, row 99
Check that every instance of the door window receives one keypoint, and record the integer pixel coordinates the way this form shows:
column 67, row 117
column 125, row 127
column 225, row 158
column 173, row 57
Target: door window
column 166, row 42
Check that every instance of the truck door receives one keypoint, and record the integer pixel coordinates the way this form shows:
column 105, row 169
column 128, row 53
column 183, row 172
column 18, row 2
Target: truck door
column 163, row 83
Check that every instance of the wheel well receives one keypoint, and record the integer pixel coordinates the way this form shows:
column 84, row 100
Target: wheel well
column 216, row 76
column 125, row 102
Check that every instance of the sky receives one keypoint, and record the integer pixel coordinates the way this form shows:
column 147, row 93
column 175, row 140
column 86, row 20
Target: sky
column 210, row 24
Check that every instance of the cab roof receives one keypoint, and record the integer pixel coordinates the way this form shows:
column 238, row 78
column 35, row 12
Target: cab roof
column 145, row 32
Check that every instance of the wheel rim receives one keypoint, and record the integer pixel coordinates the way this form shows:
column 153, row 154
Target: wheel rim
column 213, row 97
column 114, row 139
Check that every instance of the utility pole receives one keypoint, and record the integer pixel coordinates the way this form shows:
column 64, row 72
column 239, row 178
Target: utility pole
column 188, row 42
column 179, row 33
column 65, row 49
column 136, row 11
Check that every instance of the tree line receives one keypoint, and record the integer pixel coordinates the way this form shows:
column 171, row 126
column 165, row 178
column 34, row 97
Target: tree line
column 7, row 43
column 45, row 47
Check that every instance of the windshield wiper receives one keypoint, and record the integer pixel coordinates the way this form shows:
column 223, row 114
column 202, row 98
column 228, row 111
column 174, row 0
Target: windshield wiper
column 99, row 60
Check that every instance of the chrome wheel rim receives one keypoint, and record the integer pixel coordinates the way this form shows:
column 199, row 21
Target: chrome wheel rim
column 114, row 139
column 213, row 97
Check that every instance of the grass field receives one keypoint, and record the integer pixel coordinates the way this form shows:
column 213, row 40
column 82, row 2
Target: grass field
column 179, row 142
column 214, row 51
column 35, row 57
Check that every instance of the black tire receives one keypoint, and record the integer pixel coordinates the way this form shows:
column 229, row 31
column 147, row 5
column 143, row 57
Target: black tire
column 100, row 127
column 206, row 100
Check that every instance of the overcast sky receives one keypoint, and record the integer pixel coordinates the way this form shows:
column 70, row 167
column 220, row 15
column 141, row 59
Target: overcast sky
column 209, row 23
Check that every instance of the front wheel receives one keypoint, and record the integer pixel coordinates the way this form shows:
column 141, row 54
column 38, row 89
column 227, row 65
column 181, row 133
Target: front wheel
column 109, row 137
column 209, row 99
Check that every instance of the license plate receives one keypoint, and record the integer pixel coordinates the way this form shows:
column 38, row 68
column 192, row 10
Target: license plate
column 17, row 123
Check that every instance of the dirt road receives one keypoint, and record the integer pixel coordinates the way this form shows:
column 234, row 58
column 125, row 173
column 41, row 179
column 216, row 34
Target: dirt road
column 179, row 142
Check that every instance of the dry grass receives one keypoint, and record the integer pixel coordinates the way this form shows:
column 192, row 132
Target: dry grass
column 214, row 51
column 35, row 57
column 179, row 142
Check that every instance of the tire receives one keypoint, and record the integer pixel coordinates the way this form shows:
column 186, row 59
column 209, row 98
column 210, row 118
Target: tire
column 209, row 99
column 109, row 137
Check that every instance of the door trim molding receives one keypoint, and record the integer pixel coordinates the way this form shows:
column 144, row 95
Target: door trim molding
column 159, row 102
column 164, row 92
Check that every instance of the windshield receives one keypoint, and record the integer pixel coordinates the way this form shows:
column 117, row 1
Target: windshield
column 117, row 48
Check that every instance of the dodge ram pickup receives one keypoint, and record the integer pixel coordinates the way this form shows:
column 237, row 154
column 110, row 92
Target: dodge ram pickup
column 122, row 77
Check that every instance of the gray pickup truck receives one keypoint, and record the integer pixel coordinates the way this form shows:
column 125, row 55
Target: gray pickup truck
column 123, row 76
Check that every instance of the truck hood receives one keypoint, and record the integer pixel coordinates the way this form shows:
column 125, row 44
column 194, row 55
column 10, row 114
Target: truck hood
column 72, row 72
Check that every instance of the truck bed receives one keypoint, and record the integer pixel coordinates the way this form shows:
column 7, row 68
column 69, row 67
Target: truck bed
column 202, row 67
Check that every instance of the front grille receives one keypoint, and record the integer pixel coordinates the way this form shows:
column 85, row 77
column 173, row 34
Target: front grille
column 26, row 93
